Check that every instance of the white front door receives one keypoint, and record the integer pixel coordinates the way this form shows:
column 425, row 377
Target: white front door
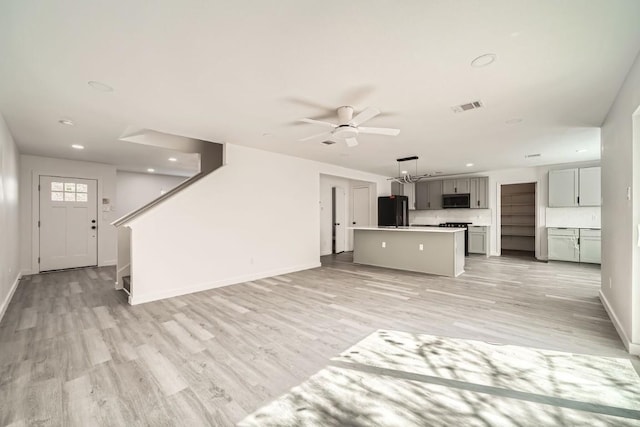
column 339, row 221
column 68, row 223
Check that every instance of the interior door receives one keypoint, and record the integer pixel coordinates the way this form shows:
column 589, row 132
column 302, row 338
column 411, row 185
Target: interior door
column 68, row 223
column 339, row 218
column 361, row 207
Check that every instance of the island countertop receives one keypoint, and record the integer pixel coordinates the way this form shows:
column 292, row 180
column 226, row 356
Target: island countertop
column 432, row 250
column 418, row 229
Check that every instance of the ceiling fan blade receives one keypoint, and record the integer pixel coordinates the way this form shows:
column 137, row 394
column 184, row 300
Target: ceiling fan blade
column 366, row 114
column 318, row 137
column 379, row 131
column 318, row 122
column 351, row 142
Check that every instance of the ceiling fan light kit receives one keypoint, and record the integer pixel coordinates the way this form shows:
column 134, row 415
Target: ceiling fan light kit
column 348, row 127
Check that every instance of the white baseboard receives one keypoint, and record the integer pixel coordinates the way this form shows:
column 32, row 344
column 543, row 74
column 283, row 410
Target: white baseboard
column 107, row 263
column 633, row 348
column 154, row 296
column 7, row 300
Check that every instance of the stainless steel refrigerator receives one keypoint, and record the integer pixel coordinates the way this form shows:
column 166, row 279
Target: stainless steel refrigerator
column 393, row 211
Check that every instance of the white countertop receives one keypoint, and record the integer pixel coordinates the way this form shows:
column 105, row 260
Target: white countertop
column 470, row 225
column 418, row 229
column 576, row 227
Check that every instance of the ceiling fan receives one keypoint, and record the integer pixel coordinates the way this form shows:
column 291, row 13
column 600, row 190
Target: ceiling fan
column 348, row 127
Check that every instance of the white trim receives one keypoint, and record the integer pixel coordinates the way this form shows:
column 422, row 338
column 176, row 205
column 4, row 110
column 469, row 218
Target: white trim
column 108, row 263
column 7, row 300
column 126, row 266
column 154, row 296
column 633, row 348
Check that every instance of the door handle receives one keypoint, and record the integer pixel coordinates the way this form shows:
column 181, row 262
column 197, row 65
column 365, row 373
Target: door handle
column 93, row 221
column 337, row 223
column 93, row 227
column 354, row 223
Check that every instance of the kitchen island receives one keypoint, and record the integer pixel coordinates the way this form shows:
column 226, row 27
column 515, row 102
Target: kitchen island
column 430, row 250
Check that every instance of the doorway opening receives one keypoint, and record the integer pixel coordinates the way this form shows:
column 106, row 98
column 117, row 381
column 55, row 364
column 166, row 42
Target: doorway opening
column 338, row 228
column 518, row 220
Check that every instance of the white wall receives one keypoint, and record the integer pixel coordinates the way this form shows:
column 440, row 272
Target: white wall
column 135, row 190
column 31, row 167
column 620, row 289
column 583, row 217
column 255, row 217
column 9, row 241
column 437, row 216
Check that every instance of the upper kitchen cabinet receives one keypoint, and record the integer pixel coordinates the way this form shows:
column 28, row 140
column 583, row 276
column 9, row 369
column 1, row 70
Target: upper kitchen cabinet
column 422, row 195
column 574, row 187
column 428, row 195
column 397, row 189
column 435, row 195
column 589, row 186
column 563, row 188
column 453, row 186
column 478, row 189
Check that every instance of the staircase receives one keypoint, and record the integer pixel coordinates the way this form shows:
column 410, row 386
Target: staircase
column 211, row 158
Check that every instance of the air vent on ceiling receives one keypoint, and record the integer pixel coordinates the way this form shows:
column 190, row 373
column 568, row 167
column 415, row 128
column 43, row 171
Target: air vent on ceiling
column 466, row 107
column 328, row 142
column 528, row 156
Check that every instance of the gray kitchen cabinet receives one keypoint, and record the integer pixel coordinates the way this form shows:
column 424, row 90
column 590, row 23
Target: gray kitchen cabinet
column 397, row 189
column 453, row 186
column 478, row 189
column 422, row 195
column 435, row 194
column 589, row 183
column 563, row 244
column 478, row 240
column 590, row 248
column 428, row 195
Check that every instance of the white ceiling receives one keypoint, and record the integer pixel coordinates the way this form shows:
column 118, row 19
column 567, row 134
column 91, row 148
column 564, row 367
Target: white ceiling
column 245, row 71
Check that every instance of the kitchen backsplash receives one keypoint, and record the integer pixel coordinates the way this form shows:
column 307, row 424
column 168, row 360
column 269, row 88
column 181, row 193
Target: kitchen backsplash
column 434, row 217
column 582, row 217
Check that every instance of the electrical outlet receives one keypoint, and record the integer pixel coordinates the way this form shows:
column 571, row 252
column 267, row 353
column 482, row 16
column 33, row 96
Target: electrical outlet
column 421, row 247
column 384, row 244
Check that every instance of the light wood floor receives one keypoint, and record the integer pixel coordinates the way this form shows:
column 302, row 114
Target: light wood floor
column 73, row 352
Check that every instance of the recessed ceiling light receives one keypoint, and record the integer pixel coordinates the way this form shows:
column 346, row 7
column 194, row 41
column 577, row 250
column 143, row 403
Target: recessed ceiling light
column 173, row 159
column 65, row 122
column 582, row 150
column 100, row 86
column 514, row 121
column 469, row 165
column 151, row 170
column 484, row 60
column 78, row 146
column 404, row 172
